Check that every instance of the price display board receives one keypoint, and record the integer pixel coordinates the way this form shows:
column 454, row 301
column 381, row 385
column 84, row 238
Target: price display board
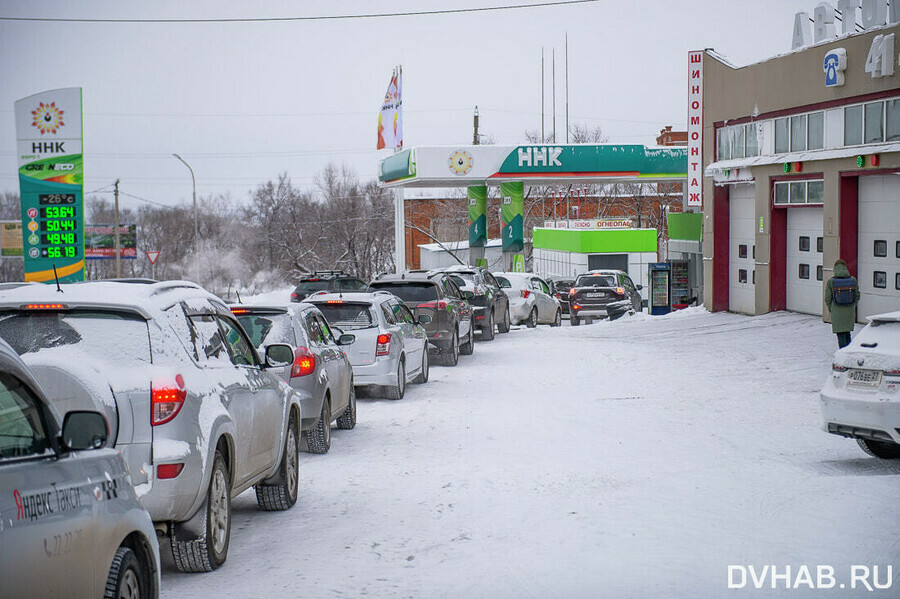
column 51, row 180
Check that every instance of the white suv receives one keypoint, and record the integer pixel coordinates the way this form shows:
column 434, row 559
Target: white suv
column 196, row 414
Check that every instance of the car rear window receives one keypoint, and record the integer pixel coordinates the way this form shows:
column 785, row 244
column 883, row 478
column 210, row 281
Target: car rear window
column 264, row 329
column 562, row 285
column 115, row 336
column 409, row 291
column 313, row 286
column 596, row 281
column 347, row 315
column 504, row 282
column 351, row 285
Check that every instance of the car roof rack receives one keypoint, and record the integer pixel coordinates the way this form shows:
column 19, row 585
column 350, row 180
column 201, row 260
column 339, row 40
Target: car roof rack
column 326, row 273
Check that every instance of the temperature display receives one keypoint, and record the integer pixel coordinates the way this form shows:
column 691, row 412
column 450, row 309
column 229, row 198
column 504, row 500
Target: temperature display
column 56, row 199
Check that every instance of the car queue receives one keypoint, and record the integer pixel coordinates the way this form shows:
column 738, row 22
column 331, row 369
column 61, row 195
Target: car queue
column 153, row 404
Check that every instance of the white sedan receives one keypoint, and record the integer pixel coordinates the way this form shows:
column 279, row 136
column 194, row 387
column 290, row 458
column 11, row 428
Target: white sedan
column 861, row 398
column 530, row 299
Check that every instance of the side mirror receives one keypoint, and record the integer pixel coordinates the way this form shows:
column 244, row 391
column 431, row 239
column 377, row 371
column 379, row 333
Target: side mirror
column 424, row 319
column 468, row 295
column 346, row 339
column 638, row 287
column 84, row 430
column 279, row 354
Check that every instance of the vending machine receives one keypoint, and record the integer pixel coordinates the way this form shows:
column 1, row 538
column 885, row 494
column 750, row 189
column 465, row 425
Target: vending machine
column 679, row 285
column 660, row 276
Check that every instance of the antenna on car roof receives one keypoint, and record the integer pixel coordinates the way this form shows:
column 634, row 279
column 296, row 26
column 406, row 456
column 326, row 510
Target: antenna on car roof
column 55, row 276
column 238, row 294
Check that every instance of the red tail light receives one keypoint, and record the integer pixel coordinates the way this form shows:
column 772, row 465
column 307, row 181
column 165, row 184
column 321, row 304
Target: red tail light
column 572, row 291
column 304, row 362
column 441, row 305
column 169, row 470
column 525, row 293
column 620, row 290
column 294, row 295
column 576, row 307
column 45, row 307
column 838, row 368
column 383, row 344
column 334, row 302
column 166, row 399
column 239, row 311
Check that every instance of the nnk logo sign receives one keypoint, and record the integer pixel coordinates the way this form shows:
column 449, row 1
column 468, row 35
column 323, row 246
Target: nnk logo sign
column 48, row 118
column 540, row 156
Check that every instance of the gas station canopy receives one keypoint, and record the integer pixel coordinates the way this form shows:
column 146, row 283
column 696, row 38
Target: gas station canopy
column 541, row 164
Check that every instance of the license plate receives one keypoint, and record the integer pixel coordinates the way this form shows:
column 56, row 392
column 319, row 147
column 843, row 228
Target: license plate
column 594, row 295
column 863, row 378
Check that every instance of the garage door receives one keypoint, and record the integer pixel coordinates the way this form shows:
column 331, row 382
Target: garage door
column 878, row 251
column 741, row 249
column 804, row 260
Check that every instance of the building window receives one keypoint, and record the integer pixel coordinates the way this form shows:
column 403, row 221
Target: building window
column 721, row 150
column 798, row 133
column 742, row 251
column 853, row 125
column 782, row 135
column 880, row 249
column 816, row 130
column 742, row 276
column 752, row 141
column 737, row 145
column 897, row 281
column 874, row 123
column 898, row 249
column 804, row 243
column 754, row 251
column 820, row 244
column 892, row 122
column 781, row 193
column 815, row 192
column 879, row 279
column 754, row 277
column 819, row 272
column 798, row 192
column 804, row 271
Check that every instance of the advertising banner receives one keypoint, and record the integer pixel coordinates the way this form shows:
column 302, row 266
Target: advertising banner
column 51, row 183
column 695, row 129
column 10, row 238
column 477, row 195
column 100, row 242
column 512, row 215
column 390, row 119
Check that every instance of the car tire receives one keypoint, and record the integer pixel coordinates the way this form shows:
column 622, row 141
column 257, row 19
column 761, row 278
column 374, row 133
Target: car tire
column 451, row 354
column 879, row 449
column 487, row 329
column 532, row 319
column 347, row 420
column 503, row 326
column 468, row 347
column 210, row 551
column 318, row 438
column 423, row 374
column 283, row 494
column 126, row 576
column 399, row 390
column 573, row 321
column 557, row 320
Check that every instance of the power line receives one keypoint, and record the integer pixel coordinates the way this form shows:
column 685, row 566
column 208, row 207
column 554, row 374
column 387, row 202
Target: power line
column 447, row 11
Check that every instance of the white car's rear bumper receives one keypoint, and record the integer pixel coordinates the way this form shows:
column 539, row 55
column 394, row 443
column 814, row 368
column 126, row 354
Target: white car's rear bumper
column 862, row 413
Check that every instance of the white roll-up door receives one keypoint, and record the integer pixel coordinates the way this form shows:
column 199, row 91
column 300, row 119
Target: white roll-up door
column 878, row 252
column 741, row 250
column 804, row 260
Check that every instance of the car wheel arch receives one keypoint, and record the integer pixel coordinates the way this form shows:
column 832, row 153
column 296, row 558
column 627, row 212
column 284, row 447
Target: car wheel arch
column 142, row 548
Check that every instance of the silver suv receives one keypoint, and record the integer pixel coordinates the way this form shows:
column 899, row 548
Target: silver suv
column 196, row 414
column 70, row 522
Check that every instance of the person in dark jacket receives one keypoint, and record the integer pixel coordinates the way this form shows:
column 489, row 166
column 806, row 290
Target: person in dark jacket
column 843, row 316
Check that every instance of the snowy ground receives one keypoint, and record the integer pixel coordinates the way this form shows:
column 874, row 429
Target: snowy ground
column 637, row 458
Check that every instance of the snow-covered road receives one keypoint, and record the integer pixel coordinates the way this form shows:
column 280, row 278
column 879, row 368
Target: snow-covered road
column 639, row 458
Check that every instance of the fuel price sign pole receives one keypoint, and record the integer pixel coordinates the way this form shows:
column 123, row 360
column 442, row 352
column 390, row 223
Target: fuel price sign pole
column 51, row 182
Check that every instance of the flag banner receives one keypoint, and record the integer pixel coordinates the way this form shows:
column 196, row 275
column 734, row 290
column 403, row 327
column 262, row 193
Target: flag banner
column 390, row 120
column 477, row 215
column 512, row 215
column 51, row 179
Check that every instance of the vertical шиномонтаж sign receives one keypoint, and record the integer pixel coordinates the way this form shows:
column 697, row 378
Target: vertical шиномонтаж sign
column 51, row 183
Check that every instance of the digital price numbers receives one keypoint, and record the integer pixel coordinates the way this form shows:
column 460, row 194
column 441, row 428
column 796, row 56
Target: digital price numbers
column 58, row 225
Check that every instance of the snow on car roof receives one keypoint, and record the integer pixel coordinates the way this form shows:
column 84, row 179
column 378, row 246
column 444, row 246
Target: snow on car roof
column 347, row 297
column 886, row 317
column 146, row 300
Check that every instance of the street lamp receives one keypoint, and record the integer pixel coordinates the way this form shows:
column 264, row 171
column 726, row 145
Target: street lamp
column 196, row 217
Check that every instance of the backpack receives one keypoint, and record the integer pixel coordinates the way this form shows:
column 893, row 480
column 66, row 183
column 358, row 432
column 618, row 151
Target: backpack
column 844, row 290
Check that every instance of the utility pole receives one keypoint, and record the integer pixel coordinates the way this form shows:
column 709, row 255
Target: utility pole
column 118, row 247
column 554, row 94
column 475, row 137
column 567, row 87
column 542, row 94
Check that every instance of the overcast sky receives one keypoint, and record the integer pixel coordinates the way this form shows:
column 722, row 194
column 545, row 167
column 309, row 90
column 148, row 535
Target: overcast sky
column 242, row 102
